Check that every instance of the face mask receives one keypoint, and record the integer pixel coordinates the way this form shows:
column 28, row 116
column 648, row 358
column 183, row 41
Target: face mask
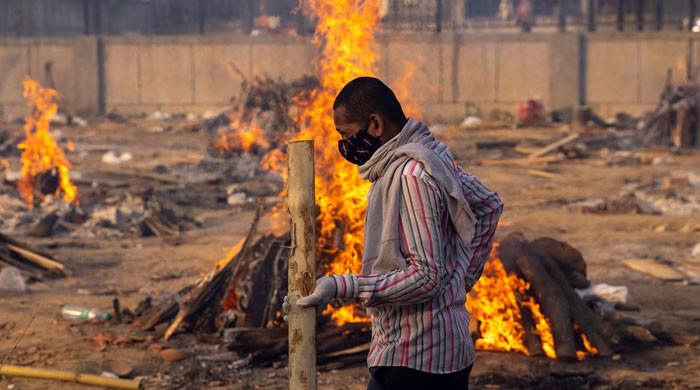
column 359, row 147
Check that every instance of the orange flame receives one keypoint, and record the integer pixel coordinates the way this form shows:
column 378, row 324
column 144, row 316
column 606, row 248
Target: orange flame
column 542, row 328
column 345, row 35
column 590, row 349
column 244, row 135
column 40, row 153
column 495, row 303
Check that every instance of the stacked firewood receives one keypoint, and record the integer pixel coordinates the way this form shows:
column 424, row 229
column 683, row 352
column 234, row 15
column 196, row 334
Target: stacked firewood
column 240, row 301
column 554, row 269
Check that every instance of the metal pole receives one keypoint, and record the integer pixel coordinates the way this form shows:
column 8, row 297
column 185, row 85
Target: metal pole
column 620, row 15
column 98, row 17
column 86, row 17
column 639, row 10
column 301, row 200
column 202, row 16
column 301, row 19
column 248, row 15
column 561, row 22
column 691, row 21
column 438, row 16
column 591, row 15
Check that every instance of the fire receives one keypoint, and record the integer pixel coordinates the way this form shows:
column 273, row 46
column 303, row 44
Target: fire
column 587, row 345
column 345, row 35
column 542, row 328
column 244, row 136
column 40, row 153
column 496, row 302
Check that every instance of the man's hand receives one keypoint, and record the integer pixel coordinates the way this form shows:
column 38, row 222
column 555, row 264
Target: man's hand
column 324, row 292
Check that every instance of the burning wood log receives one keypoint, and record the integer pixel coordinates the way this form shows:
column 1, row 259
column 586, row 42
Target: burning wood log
column 581, row 314
column 532, row 341
column 202, row 296
column 202, row 293
column 337, row 346
column 259, row 307
column 553, row 268
column 38, row 264
column 568, row 258
column 554, row 306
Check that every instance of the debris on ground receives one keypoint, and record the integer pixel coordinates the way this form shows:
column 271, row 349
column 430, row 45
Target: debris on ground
column 655, row 269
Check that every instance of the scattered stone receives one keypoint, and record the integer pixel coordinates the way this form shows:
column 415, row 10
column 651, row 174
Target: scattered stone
column 121, row 368
column 171, row 355
column 237, row 199
column 112, row 157
column 696, row 250
column 640, row 334
column 11, row 279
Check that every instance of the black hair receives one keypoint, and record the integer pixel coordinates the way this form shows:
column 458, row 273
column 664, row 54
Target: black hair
column 369, row 95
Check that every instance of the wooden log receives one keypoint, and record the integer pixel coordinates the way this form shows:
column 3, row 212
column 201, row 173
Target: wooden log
column 247, row 340
column 532, row 341
column 171, row 308
column 38, row 259
column 21, row 256
column 554, row 146
column 216, row 283
column 68, row 376
column 259, row 300
column 544, row 174
column 510, row 249
column 554, row 306
column 569, row 259
column 279, row 282
column 586, row 319
column 165, row 311
column 302, row 266
column 519, row 161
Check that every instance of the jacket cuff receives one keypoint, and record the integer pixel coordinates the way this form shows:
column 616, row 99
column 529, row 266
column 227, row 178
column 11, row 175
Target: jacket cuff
column 346, row 286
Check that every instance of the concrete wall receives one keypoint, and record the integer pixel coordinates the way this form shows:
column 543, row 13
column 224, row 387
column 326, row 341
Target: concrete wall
column 448, row 71
column 626, row 72
column 73, row 71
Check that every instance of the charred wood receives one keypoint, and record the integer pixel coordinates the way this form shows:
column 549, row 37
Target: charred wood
column 554, row 306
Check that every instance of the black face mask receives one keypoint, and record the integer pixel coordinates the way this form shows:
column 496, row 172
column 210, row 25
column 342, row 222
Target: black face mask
column 359, row 147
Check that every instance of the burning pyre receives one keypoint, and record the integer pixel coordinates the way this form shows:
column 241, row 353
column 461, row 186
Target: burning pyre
column 344, row 34
column 41, row 154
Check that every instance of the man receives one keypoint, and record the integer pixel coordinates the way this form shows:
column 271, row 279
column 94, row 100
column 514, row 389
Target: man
column 428, row 231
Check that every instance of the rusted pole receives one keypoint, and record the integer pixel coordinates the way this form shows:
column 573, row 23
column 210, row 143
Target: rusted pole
column 301, row 200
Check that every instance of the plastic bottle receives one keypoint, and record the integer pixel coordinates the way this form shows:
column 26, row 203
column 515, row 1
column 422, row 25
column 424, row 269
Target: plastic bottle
column 71, row 312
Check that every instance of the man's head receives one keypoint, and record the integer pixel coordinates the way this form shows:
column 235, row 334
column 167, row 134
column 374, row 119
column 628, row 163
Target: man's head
column 368, row 109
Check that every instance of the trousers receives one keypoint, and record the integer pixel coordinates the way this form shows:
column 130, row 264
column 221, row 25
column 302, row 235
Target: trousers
column 403, row 378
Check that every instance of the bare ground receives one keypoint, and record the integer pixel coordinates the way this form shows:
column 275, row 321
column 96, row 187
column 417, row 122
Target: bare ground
column 135, row 267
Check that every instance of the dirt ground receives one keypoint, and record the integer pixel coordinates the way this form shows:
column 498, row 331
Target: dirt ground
column 135, row 267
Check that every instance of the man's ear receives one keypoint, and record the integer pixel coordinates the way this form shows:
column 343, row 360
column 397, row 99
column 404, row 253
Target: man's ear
column 376, row 126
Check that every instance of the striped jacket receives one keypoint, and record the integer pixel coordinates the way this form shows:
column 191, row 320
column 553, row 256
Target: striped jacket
column 419, row 319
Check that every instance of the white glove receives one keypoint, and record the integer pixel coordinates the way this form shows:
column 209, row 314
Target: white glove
column 324, row 292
